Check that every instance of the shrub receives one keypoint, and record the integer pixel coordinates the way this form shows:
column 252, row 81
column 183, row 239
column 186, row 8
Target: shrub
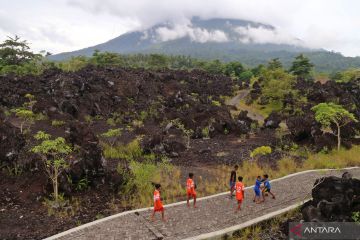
column 187, row 132
column 53, row 153
column 215, row 103
column 260, row 151
column 129, row 152
column 205, row 132
column 111, row 135
column 57, row 123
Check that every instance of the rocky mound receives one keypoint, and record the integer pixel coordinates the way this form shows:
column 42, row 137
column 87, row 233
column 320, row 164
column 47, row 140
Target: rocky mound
column 92, row 100
column 334, row 200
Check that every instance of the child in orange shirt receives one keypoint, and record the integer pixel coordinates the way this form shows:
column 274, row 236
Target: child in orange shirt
column 158, row 206
column 190, row 189
column 240, row 193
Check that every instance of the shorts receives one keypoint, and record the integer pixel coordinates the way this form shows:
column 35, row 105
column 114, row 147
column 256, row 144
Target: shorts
column 257, row 192
column 159, row 209
column 239, row 200
column 266, row 190
column 191, row 194
column 232, row 185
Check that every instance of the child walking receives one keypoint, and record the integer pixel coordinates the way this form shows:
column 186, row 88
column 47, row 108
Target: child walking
column 240, row 193
column 158, row 206
column 190, row 189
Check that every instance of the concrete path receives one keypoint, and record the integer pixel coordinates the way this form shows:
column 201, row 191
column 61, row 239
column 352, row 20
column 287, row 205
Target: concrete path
column 235, row 101
column 214, row 216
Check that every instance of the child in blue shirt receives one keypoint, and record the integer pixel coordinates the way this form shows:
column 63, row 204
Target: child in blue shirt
column 257, row 190
column 267, row 187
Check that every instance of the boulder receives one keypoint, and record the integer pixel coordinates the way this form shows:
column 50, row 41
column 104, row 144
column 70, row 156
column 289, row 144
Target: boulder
column 272, row 121
column 244, row 122
column 334, row 200
column 12, row 143
column 87, row 161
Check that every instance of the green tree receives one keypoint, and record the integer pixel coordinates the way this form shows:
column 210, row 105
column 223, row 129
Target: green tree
column 14, row 51
column 274, row 64
column 25, row 112
column 246, row 75
column 53, row 153
column 214, row 66
column 301, row 67
column 27, row 117
column 330, row 113
column 233, row 69
column 276, row 83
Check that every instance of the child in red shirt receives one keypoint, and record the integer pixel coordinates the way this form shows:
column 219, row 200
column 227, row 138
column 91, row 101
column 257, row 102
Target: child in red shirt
column 240, row 194
column 158, row 206
column 190, row 189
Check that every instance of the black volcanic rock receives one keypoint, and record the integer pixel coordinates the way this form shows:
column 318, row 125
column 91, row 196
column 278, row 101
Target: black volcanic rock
column 334, row 200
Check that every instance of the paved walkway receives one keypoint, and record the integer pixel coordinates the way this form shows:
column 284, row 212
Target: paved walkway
column 214, row 213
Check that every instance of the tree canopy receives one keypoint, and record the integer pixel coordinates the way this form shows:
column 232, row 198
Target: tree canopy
column 301, row 67
column 14, row 51
column 330, row 113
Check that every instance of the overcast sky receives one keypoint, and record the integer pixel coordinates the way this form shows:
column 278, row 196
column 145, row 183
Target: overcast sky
column 66, row 25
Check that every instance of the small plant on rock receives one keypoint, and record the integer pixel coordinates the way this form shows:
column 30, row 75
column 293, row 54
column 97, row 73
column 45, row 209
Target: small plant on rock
column 356, row 217
column 205, row 132
column 187, row 132
column 57, row 123
column 26, row 114
column 53, row 153
column 112, row 135
column 27, row 117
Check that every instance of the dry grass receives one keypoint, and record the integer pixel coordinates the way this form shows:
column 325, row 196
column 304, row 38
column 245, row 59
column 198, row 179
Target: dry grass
column 216, row 179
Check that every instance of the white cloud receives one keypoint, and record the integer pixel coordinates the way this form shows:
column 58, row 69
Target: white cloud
column 194, row 33
column 263, row 35
column 64, row 25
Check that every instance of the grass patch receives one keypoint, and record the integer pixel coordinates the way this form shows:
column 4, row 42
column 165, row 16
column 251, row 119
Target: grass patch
column 267, row 228
column 334, row 159
column 138, row 190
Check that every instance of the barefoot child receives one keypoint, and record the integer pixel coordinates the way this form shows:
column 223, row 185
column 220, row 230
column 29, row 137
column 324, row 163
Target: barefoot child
column 158, row 206
column 257, row 189
column 267, row 187
column 240, row 194
column 233, row 180
column 190, row 189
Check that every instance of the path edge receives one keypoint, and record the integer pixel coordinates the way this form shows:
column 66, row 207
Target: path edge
column 226, row 231
column 72, row 230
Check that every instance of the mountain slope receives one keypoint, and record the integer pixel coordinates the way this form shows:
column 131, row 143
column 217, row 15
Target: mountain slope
column 225, row 39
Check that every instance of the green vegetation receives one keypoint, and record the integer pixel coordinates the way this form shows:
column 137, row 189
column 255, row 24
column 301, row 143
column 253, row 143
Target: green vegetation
column 57, row 123
column 329, row 113
column 187, row 132
column 276, row 84
column 25, row 113
column 267, row 227
column 302, row 67
column 111, row 135
column 129, row 152
column 16, row 57
column 356, row 217
column 15, row 52
column 53, row 153
column 260, row 151
column 346, row 76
